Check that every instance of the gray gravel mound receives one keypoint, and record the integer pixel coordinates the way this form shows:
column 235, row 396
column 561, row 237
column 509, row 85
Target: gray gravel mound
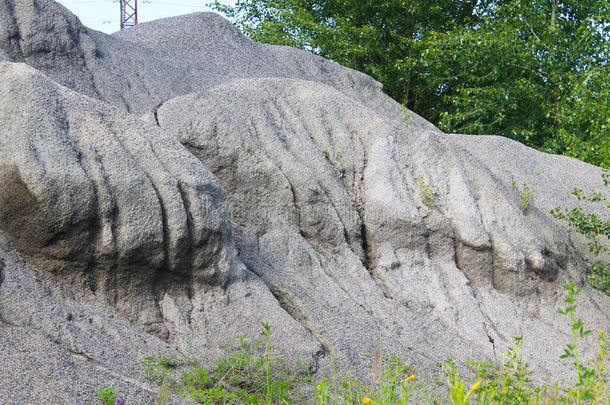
column 116, row 242
column 326, row 197
column 171, row 186
column 140, row 68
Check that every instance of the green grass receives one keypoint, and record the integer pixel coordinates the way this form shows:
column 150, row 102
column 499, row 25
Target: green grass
column 249, row 372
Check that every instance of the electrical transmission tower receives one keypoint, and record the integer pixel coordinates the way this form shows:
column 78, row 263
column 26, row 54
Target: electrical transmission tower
column 129, row 13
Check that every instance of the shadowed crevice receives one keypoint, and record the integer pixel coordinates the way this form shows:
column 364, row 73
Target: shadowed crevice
column 155, row 112
column 287, row 304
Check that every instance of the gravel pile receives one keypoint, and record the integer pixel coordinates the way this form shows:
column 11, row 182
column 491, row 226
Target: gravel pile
column 171, row 186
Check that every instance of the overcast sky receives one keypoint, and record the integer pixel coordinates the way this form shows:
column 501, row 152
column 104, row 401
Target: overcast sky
column 104, row 15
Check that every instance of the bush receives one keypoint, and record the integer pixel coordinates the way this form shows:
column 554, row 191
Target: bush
column 596, row 230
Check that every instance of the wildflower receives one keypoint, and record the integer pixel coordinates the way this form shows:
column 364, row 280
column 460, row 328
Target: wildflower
column 118, row 401
column 474, row 387
column 409, row 378
column 366, row 400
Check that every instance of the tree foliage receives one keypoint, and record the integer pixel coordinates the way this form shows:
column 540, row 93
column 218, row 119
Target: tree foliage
column 536, row 71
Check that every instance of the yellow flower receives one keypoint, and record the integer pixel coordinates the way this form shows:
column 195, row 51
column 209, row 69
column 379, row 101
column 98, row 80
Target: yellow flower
column 366, row 400
column 474, row 387
column 409, row 378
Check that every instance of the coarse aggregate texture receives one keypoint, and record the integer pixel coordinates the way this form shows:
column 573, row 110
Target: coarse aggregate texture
column 116, row 216
column 329, row 193
column 173, row 185
column 140, row 68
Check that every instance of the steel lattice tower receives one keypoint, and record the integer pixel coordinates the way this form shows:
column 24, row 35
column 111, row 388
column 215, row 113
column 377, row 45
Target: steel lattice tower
column 129, row 13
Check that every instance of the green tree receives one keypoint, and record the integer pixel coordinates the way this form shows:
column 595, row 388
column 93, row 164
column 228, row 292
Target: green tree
column 382, row 38
column 534, row 71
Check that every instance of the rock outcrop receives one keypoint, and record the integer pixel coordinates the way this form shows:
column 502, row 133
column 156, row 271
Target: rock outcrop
column 173, row 185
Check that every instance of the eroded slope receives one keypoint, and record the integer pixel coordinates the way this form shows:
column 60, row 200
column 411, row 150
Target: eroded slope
column 117, row 240
column 329, row 203
column 262, row 184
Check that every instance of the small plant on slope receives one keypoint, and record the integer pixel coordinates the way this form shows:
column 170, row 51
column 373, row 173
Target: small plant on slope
column 595, row 229
column 243, row 375
column 525, row 195
column 108, row 396
column 590, row 384
column 457, row 390
column 426, row 193
column 512, row 384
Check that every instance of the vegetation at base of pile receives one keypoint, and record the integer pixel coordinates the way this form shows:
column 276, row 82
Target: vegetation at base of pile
column 249, row 373
column 252, row 372
column 535, row 71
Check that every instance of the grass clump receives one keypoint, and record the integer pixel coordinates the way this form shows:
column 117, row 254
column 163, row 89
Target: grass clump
column 391, row 382
column 248, row 373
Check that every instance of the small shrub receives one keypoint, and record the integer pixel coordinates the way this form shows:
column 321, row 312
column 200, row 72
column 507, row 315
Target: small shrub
column 426, row 193
column 109, row 396
column 248, row 373
column 594, row 229
column 589, row 380
column 526, row 194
